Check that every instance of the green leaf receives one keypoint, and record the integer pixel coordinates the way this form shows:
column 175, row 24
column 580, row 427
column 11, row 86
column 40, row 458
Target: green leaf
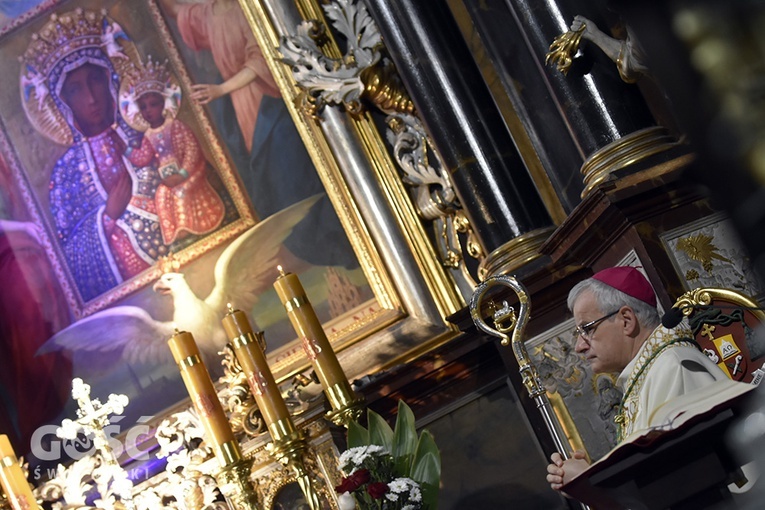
column 380, row 432
column 404, row 439
column 426, row 466
column 357, row 435
column 415, row 457
column 427, row 472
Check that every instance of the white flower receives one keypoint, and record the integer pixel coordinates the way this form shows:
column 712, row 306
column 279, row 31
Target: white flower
column 401, row 485
column 353, row 458
column 391, row 496
column 407, row 491
column 415, row 494
column 346, row 502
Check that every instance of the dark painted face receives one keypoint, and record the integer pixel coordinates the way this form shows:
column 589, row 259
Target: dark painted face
column 86, row 92
column 151, row 106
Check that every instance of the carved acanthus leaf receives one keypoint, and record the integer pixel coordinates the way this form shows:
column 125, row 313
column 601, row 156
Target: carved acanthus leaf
column 357, row 25
column 410, row 147
column 334, row 81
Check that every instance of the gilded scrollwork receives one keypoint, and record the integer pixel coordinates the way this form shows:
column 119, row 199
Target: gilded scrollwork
column 329, row 80
column 240, row 405
column 363, row 77
column 432, row 193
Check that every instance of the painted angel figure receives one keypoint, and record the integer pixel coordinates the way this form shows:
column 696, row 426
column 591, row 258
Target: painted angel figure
column 112, row 33
column 32, row 80
column 268, row 134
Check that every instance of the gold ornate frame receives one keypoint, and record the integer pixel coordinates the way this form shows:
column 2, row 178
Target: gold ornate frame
column 413, row 291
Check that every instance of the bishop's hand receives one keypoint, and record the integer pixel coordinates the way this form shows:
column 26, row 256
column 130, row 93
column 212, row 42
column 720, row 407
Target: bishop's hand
column 562, row 471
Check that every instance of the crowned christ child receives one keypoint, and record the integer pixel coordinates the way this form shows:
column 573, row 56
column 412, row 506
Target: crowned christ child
column 185, row 201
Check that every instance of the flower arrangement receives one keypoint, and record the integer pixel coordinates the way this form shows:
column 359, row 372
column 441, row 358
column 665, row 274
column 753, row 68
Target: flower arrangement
column 389, row 469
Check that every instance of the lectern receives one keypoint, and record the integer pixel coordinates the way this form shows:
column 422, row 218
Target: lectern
column 686, row 467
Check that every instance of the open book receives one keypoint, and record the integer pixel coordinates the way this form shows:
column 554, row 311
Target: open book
column 638, row 472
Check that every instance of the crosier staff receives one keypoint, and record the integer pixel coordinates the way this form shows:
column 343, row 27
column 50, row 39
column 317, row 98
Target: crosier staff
column 505, row 323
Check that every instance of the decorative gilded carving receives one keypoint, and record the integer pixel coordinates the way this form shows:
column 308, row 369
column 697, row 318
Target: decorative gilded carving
column 709, row 253
column 699, row 247
column 626, row 53
column 363, row 73
column 564, row 48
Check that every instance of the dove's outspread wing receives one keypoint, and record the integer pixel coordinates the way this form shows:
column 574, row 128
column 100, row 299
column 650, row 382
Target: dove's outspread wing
column 240, row 275
column 242, row 267
column 131, row 329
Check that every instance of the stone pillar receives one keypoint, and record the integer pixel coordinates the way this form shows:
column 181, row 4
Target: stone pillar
column 607, row 120
column 495, row 189
column 524, row 81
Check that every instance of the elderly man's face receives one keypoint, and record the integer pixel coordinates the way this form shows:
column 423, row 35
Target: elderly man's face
column 606, row 348
column 86, row 92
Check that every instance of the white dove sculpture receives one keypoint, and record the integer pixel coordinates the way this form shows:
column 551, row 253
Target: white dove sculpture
column 240, row 273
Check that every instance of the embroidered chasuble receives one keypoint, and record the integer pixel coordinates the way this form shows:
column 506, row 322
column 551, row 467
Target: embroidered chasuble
column 668, row 365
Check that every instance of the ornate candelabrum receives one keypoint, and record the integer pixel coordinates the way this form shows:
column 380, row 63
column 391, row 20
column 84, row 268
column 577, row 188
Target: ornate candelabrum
column 346, row 405
column 4, row 504
column 289, row 445
column 234, row 475
column 234, row 482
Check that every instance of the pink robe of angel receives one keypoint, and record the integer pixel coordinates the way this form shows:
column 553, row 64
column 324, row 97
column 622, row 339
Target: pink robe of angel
column 193, row 205
column 229, row 37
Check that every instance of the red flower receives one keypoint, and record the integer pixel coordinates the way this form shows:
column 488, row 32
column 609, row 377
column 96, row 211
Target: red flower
column 353, row 482
column 346, row 485
column 377, row 489
column 360, row 477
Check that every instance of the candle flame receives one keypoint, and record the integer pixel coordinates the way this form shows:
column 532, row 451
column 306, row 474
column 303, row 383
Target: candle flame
column 230, row 308
column 280, row 269
column 175, row 328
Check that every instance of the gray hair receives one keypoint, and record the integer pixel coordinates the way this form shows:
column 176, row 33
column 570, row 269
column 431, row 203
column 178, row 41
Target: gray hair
column 610, row 299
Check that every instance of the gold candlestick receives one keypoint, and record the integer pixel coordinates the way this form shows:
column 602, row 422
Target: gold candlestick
column 204, row 397
column 234, row 482
column 14, row 483
column 248, row 351
column 346, row 405
column 289, row 445
column 234, row 476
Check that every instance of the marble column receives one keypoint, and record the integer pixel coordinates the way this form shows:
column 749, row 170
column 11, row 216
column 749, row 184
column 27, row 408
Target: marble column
column 606, row 119
column 495, row 189
column 522, row 79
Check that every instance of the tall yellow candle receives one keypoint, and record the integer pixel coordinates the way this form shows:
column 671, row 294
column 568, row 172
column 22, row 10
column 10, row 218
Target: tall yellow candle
column 246, row 344
column 12, row 479
column 204, row 397
column 309, row 330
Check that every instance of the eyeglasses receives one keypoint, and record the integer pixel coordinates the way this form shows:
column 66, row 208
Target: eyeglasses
column 586, row 330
